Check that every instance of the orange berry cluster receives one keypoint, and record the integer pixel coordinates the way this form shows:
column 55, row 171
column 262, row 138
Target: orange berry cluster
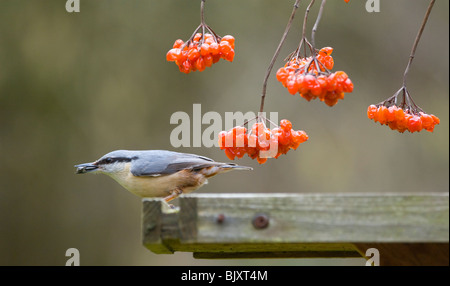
column 402, row 120
column 237, row 142
column 313, row 80
column 199, row 53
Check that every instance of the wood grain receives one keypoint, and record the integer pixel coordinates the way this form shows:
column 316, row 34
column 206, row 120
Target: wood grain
column 300, row 225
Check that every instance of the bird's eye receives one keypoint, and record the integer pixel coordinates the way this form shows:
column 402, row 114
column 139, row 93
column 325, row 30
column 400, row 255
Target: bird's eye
column 107, row 160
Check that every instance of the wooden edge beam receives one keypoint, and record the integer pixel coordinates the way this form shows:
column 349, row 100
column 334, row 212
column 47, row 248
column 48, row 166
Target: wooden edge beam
column 408, row 254
column 276, row 254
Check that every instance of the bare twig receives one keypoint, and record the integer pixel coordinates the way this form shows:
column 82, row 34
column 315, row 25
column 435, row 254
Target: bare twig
column 416, row 41
column 203, row 27
column 202, row 14
column 305, row 20
column 316, row 25
column 272, row 62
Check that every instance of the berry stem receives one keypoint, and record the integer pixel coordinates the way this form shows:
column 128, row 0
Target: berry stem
column 273, row 123
column 250, row 120
column 202, row 14
column 305, row 20
column 413, row 106
column 217, row 38
column 416, row 41
column 403, row 91
column 186, row 44
column 202, row 21
column 316, row 24
column 204, row 27
column 272, row 62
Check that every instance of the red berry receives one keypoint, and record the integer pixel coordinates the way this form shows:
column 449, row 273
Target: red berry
column 200, row 64
column 229, row 56
column 197, row 37
column 372, row 112
column 286, row 125
column 261, row 160
column 230, row 154
column 214, row 49
column 178, row 43
column 390, row 113
column 224, row 47
column 222, row 135
column 208, row 60
column 204, row 50
column 382, row 115
column 229, row 39
column 427, row 121
column 193, row 54
column 415, row 124
column 292, row 86
column 253, row 141
column 282, row 74
column 172, row 55
column 326, row 51
column 436, row 120
column 185, row 67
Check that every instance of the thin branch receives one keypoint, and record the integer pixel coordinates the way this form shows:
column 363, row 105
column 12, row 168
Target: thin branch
column 186, row 44
column 202, row 14
column 272, row 62
column 216, row 37
column 273, row 123
column 305, row 20
column 416, row 42
column 316, row 25
column 202, row 22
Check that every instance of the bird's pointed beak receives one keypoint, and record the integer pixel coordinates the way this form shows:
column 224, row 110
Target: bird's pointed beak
column 86, row 168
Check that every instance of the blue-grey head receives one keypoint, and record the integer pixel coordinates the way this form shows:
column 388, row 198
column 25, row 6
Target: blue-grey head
column 113, row 162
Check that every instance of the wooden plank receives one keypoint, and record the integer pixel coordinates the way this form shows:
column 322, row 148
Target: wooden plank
column 188, row 219
column 324, row 218
column 155, row 225
column 218, row 225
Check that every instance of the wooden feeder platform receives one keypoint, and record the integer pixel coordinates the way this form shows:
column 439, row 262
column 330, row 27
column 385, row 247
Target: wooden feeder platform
column 406, row 228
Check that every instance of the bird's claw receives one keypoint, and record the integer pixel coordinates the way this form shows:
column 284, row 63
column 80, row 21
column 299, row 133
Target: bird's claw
column 174, row 194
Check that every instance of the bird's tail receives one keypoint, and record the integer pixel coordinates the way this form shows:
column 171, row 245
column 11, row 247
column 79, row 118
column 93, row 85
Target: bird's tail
column 214, row 170
column 236, row 167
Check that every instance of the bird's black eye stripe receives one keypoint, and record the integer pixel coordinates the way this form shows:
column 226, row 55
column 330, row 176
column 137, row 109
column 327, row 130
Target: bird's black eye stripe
column 110, row 160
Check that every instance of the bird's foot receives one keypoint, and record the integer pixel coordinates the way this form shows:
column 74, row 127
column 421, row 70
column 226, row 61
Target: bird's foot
column 173, row 195
column 169, row 208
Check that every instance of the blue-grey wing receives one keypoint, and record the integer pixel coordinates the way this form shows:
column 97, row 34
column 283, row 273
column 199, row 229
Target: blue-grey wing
column 159, row 162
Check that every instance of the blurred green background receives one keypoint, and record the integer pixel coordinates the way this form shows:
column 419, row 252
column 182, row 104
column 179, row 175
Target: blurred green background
column 76, row 86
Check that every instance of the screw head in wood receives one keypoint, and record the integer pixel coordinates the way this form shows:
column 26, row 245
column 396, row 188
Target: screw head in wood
column 260, row 221
column 220, row 218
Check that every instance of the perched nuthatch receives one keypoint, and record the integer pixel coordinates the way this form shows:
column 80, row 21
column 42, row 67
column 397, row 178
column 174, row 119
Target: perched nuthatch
column 157, row 173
